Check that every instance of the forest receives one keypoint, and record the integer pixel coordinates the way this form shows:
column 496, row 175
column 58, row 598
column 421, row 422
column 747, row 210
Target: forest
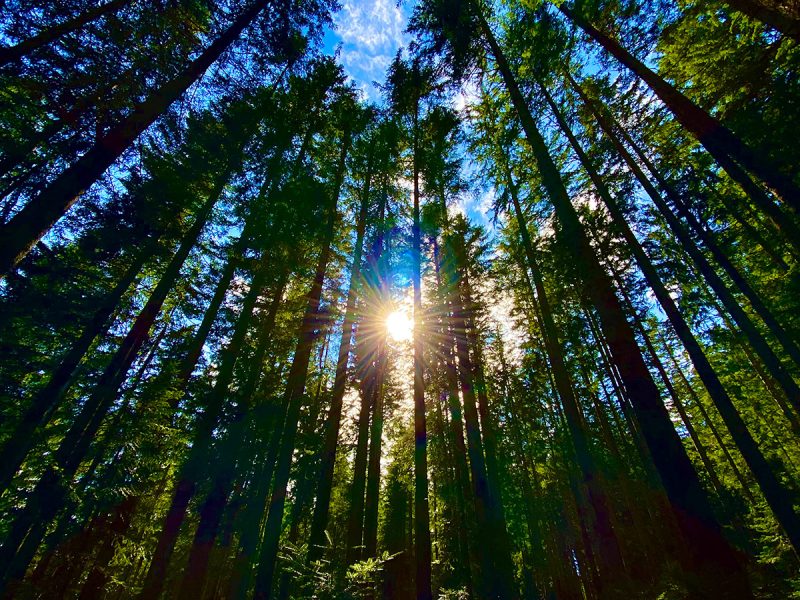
column 521, row 322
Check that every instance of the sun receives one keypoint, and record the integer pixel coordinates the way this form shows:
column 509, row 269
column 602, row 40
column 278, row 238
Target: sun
column 399, row 326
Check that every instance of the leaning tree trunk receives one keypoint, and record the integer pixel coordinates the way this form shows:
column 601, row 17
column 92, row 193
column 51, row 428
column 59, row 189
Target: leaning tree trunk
column 51, row 490
column 43, row 405
column 727, row 148
column 710, row 564
column 778, row 497
column 20, row 234
column 22, row 49
column 757, row 341
column 319, row 520
column 612, row 566
column 231, row 447
column 194, row 464
column 776, row 17
column 295, row 390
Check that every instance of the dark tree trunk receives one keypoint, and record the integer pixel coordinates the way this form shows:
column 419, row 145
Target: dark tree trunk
column 24, row 48
column 741, row 318
column 295, row 389
column 422, row 525
column 47, row 399
column 772, row 14
column 49, row 494
column 321, row 508
column 710, row 564
column 231, row 450
column 21, row 233
column 612, row 566
column 355, row 517
column 468, row 539
column 778, row 497
column 727, row 148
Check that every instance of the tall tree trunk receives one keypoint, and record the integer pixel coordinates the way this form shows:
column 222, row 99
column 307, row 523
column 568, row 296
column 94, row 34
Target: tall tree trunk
column 741, row 318
column 24, row 48
column 468, row 540
column 21, row 233
column 48, row 496
column 231, row 448
column 47, row 399
column 727, row 148
column 374, row 461
column 612, row 566
column 355, row 518
column 194, row 464
column 319, row 520
column 295, row 389
column 710, row 563
column 504, row 564
column 422, row 530
column 779, row 498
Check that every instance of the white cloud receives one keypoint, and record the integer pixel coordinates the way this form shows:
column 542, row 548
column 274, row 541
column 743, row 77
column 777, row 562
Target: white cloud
column 370, row 34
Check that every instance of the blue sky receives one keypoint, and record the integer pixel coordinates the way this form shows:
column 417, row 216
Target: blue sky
column 370, row 34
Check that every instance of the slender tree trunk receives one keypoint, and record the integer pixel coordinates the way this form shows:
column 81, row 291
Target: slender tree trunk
column 741, row 318
column 295, row 389
column 422, row 530
column 789, row 346
column 779, row 498
column 612, row 566
column 231, row 449
column 504, row 564
column 727, row 148
column 251, row 532
column 355, row 519
column 21, row 233
column 47, row 399
column 49, row 494
column 18, row 51
column 193, row 465
column 710, row 563
column 374, row 462
column 468, row 538
column 330, row 445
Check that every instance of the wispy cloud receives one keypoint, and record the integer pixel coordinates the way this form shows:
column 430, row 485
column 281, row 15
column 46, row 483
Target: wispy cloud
column 370, row 33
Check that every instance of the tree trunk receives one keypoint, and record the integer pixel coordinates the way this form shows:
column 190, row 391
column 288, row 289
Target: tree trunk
column 710, row 563
column 355, row 519
column 778, row 497
column 21, row 233
column 231, row 447
column 295, row 390
column 775, row 16
column 47, row 399
column 468, row 538
column 741, row 318
column 194, row 464
column 21, row 49
column 422, row 529
column 330, row 445
column 612, row 566
column 727, row 148
column 49, row 494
